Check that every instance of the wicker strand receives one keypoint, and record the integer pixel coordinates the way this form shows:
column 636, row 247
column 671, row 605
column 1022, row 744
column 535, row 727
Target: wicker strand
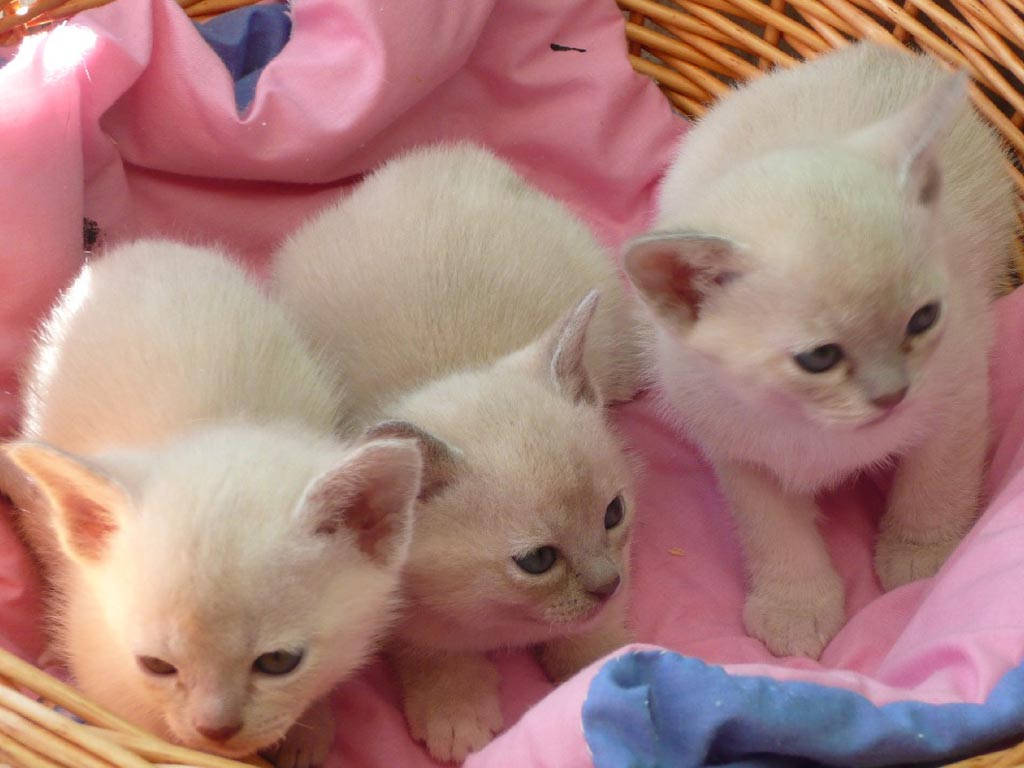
column 214, row 7
column 51, row 745
column 29, row 677
column 22, row 756
column 765, row 14
column 668, row 77
column 637, row 34
column 772, row 34
column 63, row 735
column 674, row 20
column 164, row 753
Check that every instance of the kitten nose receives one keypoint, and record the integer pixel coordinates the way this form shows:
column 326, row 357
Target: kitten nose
column 890, row 399
column 222, row 733
column 606, row 590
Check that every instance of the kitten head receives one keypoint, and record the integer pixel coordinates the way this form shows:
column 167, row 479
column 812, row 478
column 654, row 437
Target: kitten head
column 523, row 528
column 815, row 278
column 221, row 584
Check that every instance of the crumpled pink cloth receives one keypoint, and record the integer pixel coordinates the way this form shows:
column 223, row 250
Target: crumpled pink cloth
column 127, row 117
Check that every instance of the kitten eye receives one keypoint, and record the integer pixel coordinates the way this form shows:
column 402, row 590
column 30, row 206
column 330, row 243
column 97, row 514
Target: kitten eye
column 820, row 359
column 923, row 319
column 613, row 514
column 277, row 662
column 539, row 561
column 155, row 666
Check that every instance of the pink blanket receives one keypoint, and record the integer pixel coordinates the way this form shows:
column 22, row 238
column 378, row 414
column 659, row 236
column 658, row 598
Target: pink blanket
column 126, row 116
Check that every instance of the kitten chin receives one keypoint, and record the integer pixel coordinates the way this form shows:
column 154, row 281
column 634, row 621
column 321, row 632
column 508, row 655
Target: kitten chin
column 218, row 561
column 821, row 294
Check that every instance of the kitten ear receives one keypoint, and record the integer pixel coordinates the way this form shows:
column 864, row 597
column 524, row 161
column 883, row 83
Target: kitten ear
column 911, row 139
column 85, row 507
column 675, row 272
column 370, row 495
column 440, row 460
column 563, row 349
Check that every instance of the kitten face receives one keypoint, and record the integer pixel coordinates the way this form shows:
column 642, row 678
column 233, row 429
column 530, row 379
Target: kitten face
column 530, row 538
column 250, row 648
column 235, row 587
column 832, row 305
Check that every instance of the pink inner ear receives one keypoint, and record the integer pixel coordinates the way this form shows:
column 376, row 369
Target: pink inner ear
column 83, row 504
column 364, row 513
column 371, row 524
column 680, row 278
column 670, row 280
column 88, row 526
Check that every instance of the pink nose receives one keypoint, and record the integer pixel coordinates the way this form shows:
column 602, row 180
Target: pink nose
column 606, row 590
column 890, row 399
column 222, row 733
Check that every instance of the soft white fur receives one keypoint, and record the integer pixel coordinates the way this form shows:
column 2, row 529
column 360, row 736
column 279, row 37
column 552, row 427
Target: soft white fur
column 446, row 258
column 826, row 204
column 454, row 297
column 201, row 425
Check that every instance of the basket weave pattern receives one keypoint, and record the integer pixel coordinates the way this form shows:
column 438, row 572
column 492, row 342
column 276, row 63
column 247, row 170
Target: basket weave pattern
column 697, row 49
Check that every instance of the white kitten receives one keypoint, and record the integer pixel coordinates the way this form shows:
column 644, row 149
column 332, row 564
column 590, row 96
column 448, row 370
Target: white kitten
column 828, row 243
column 447, row 277
column 218, row 561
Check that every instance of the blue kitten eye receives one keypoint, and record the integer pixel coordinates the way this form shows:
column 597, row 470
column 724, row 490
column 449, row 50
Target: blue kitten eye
column 613, row 513
column 820, row 359
column 155, row 666
column 923, row 319
column 539, row 561
column 277, row 662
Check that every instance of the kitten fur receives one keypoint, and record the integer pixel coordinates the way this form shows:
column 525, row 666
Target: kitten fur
column 187, row 501
column 826, row 205
column 454, row 227
column 458, row 302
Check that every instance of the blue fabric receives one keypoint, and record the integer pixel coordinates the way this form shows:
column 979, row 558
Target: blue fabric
column 246, row 39
column 661, row 710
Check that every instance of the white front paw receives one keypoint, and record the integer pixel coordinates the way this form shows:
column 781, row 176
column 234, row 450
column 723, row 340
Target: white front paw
column 456, row 717
column 308, row 742
column 900, row 558
column 797, row 619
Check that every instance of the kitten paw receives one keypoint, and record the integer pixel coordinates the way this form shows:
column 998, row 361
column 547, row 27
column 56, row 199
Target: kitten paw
column 798, row 619
column 900, row 559
column 308, row 741
column 458, row 715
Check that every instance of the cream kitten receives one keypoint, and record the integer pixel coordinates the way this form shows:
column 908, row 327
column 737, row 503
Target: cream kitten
column 828, row 243
column 218, row 562
column 446, row 277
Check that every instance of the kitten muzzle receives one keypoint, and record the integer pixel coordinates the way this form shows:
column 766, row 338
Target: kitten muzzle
column 219, row 734
column 890, row 400
column 604, row 591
